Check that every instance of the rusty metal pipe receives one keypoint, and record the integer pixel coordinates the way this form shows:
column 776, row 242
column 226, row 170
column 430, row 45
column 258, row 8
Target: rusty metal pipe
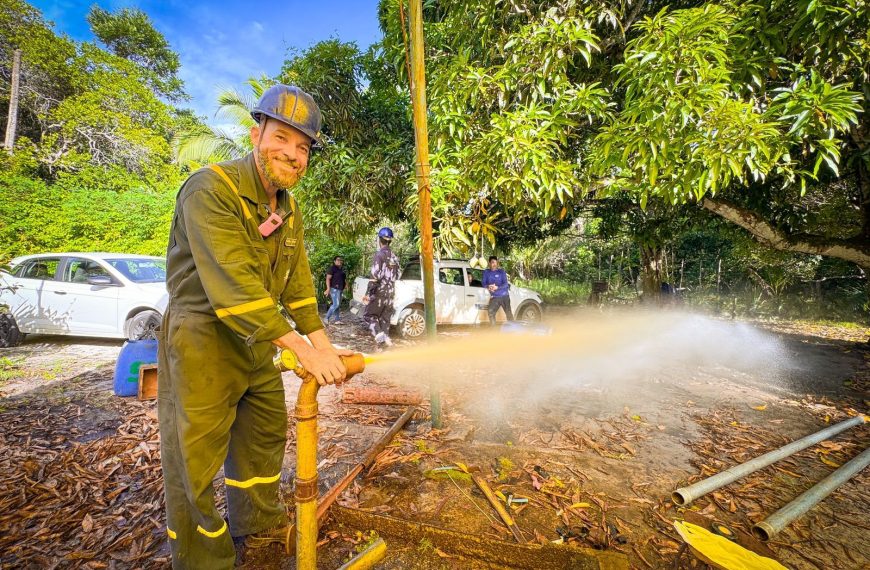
column 685, row 495
column 381, row 395
column 326, row 500
column 306, row 454
column 499, row 508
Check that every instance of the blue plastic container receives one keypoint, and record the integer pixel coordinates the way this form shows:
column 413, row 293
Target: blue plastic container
column 134, row 354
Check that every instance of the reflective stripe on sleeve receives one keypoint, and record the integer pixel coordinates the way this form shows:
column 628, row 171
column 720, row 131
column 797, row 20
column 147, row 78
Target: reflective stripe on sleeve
column 246, row 307
column 214, row 534
column 232, row 186
column 252, row 481
column 302, row 303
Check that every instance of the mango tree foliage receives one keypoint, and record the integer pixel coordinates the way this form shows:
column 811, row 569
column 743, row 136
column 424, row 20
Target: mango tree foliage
column 686, row 129
column 512, row 101
column 714, row 102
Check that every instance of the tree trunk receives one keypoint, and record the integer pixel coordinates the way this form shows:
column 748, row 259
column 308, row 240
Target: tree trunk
column 856, row 249
column 12, row 122
column 651, row 273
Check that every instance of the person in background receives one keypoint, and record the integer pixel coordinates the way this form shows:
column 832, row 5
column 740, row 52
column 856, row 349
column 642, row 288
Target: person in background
column 495, row 280
column 379, row 294
column 335, row 283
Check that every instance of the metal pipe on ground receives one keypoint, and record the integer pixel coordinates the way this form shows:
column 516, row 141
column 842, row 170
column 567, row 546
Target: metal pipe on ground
column 368, row 557
column 499, row 508
column 381, row 395
column 769, row 527
column 685, row 495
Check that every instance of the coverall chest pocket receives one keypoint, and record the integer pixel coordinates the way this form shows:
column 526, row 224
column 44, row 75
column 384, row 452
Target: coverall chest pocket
column 225, row 237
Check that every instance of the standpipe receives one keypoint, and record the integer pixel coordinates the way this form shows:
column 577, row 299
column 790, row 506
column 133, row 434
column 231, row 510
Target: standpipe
column 306, row 453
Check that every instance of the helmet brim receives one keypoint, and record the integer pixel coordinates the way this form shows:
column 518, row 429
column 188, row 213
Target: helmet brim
column 316, row 138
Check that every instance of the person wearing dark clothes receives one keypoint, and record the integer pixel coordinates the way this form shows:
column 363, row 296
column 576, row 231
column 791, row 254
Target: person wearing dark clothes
column 335, row 283
column 495, row 280
column 380, row 291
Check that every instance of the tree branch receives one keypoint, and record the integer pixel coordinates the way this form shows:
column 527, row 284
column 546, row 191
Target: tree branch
column 856, row 250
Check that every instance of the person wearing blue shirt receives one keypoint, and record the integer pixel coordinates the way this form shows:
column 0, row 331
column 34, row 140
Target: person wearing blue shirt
column 495, row 280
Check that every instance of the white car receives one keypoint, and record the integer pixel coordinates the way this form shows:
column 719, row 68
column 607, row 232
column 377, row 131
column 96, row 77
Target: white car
column 108, row 295
column 460, row 298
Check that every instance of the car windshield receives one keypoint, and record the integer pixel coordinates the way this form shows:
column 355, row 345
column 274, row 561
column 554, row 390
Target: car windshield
column 141, row 270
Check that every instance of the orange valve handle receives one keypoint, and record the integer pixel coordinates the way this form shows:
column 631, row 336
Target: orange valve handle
column 287, row 361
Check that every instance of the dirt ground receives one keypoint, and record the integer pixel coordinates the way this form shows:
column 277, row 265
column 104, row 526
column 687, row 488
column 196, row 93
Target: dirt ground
column 81, row 480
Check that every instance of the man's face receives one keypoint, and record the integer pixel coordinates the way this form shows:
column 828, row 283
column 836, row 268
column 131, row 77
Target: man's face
column 493, row 264
column 339, row 262
column 281, row 152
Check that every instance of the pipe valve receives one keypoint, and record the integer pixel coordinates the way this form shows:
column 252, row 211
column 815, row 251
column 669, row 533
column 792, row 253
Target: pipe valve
column 287, row 361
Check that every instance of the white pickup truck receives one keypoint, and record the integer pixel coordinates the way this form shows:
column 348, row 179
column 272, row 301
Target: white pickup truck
column 460, row 298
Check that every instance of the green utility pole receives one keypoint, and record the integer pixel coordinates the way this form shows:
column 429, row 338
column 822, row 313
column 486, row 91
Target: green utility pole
column 421, row 136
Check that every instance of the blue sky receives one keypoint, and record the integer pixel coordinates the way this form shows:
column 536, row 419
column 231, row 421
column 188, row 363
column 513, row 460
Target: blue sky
column 223, row 43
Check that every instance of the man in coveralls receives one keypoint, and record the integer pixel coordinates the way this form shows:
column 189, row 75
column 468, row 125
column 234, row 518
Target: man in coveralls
column 380, row 291
column 236, row 269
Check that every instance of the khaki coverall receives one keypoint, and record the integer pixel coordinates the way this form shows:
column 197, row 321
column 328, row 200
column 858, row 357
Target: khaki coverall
column 220, row 399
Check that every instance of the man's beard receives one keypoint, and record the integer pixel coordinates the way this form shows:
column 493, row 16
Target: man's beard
column 276, row 179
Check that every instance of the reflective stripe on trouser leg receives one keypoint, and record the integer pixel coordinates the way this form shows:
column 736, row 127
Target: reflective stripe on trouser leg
column 256, row 452
column 195, row 411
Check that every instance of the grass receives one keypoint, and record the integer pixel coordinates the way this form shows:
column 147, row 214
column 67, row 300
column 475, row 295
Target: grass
column 558, row 291
column 8, row 369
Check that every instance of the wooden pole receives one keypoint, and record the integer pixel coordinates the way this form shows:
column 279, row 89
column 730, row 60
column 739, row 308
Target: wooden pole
column 421, row 137
column 12, row 123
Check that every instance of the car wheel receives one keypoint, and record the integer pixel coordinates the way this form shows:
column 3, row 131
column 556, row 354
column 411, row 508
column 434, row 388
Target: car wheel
column 530, row 313
column 412, row 323
column 142, row 325
column 9, row 334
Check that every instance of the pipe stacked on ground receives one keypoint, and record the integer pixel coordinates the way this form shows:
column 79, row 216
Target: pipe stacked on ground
column 685, row 495
column 769, row 527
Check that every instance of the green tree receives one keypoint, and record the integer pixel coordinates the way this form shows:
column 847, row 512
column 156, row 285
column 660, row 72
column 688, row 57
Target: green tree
column 509, row 100
column 745, row 108
column 361, row 175
column 130, row 34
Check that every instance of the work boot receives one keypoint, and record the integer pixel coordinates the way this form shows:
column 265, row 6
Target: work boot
column 275, row 535
column 388, row 341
